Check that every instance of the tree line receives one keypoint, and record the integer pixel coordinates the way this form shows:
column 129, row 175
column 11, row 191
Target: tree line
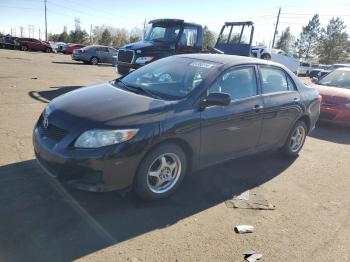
column 329, row 44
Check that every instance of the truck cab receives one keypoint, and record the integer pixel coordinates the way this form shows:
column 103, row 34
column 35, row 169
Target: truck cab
column 165, row 37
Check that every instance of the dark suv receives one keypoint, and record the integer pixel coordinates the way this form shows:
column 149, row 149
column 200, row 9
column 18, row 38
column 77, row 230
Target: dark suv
column 166, row 37
column 33, row 44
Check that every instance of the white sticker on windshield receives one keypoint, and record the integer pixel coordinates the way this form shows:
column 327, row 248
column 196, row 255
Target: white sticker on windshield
column 202, row 64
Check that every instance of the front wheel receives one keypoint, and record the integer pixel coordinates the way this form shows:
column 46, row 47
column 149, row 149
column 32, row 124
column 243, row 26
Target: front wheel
column 160, row 172
column 24, row 48
column 48, row 50
column 295, row 140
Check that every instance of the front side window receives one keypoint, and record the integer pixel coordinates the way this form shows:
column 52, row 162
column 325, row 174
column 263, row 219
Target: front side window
column 274, row 80
column 238, row 83
column 163, row 33
column 170, row 78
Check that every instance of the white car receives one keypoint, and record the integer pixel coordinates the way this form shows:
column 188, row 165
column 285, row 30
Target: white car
column 289, row 60
column 304, row 69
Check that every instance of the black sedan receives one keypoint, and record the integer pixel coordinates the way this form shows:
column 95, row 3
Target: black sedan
column 146, row 130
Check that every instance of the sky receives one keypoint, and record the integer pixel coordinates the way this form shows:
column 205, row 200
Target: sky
column 131, row 14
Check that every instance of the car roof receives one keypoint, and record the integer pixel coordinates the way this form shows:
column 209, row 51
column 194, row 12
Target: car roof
column 343, row 69
column 229, row 60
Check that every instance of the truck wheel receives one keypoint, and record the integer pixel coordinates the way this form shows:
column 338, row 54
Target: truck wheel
column 94, row 60
column 123, row 70
column 266, row 57
column 24, row 48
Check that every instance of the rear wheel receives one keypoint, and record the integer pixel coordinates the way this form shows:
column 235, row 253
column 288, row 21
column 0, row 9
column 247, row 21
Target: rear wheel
column 123, row 70
column 94, row 60
column 160, row 172
column 48, row 50
column 296, row 139
column 24, row 48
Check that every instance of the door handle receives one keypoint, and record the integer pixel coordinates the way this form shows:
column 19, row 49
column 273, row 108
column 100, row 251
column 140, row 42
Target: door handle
column 257, row 108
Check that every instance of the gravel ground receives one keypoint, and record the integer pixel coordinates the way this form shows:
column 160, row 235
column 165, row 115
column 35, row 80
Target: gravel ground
column 41, row 220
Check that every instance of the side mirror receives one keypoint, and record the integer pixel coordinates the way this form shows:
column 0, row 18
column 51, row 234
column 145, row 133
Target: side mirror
column 216, row 99
column 314, row 80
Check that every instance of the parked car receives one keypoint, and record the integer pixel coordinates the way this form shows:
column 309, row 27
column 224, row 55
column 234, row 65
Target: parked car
column 304, row 69
column 315, row 70
column 71, row 47
column 146, row 130
column 335, row 90
column 289, row 60
column 330, row 69
column 57, row 46
column 94, row 54
column 33, row 44
column 166, row 37
column 8, row 41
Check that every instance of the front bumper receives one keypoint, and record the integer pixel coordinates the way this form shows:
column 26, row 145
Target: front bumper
column 97, row 170
column 336, row 115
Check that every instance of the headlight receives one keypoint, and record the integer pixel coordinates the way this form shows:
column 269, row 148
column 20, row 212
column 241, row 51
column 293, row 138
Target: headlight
column 97, row 137
column 347, row 105
column 144, row 59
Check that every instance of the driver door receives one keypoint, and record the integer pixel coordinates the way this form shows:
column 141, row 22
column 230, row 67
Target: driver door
column 188, row 40
column 229, row 131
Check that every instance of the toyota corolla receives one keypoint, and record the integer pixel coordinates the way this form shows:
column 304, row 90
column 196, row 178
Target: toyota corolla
column 150, row 128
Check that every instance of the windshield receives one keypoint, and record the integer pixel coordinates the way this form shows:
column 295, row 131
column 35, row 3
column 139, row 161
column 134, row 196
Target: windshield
column 170, row 78
column 338, row 78
column 166, row 33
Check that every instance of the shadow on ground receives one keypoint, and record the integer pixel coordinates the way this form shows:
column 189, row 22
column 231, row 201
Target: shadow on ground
column 47, row 95
column 331, row 133
column 40, row 222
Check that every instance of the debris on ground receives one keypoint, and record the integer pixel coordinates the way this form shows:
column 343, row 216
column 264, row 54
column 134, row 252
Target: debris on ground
column 251, row 256
column 34, row 78
column 243, row 229
column 253, row 199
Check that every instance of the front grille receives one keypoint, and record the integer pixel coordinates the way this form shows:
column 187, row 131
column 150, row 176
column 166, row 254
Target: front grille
column 125, row 56
column 53, row 132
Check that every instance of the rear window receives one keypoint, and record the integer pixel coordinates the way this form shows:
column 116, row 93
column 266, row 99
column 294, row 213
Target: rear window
column 275, row 80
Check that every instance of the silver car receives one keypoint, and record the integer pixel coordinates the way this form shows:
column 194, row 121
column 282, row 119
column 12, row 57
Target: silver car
column 94, row 54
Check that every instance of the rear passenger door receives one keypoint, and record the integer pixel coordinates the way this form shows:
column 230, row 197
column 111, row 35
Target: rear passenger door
column 102, row 53
column 281, row 105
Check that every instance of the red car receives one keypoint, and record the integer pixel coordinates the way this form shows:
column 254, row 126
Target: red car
column 71, row 47
column 33, row 44
column 335, row 91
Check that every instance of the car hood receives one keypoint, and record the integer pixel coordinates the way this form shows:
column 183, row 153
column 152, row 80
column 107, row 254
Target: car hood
column 150, row 46
column 334, row 93
column 104, row 105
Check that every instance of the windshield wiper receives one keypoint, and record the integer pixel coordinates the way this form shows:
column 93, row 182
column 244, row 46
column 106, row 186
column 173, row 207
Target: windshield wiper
column 138, row 89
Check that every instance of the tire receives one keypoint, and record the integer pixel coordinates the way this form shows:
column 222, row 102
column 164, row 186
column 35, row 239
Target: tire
column 291, row 147
column 168, row 164
column 48, row 50
column 24, row 48
column 123, row 70
column 266, row 56
column 94, row 60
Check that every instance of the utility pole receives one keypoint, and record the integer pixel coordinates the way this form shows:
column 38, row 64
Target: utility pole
column 39, row 34
column 45, row 1
column 274, row 34
column 90, row 34
column 144, row 30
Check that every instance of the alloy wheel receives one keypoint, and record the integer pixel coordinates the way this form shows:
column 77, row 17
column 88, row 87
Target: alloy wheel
column 164, row 173
column 297, row 138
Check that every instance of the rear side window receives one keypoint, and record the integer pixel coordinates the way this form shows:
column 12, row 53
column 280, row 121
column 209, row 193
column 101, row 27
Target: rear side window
column 189, row 36
column 275, row 80
column 238, row 83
